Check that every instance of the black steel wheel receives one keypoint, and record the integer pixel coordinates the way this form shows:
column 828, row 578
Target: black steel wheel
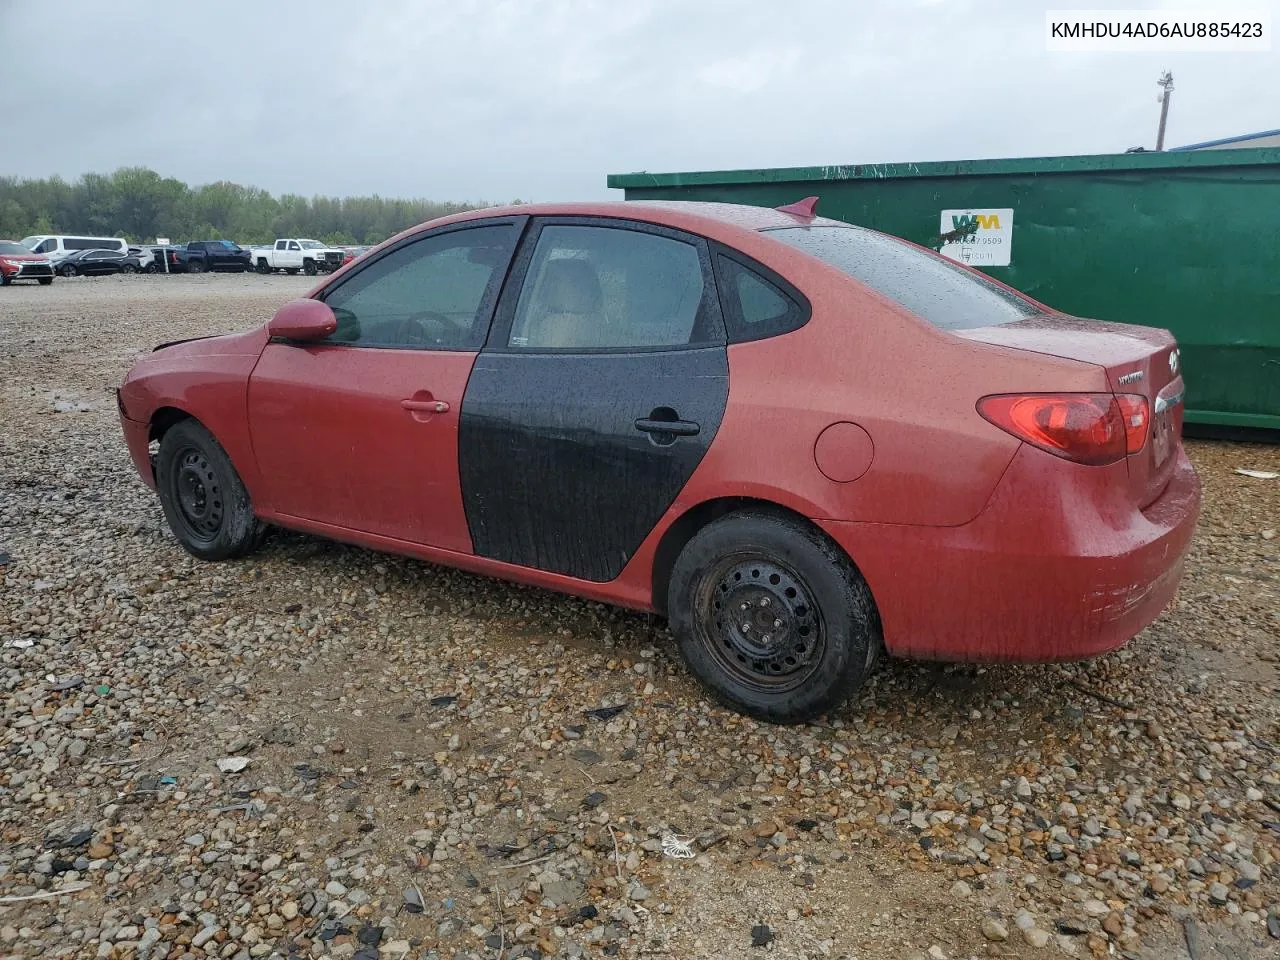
column 760, row 623
column 772, row 616
column 204, row 501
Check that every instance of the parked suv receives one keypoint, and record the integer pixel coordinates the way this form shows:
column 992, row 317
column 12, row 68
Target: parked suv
column 202, row 255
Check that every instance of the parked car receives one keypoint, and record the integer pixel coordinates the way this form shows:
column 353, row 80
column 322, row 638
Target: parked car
column 148, row 261
column 93, row 263
column 200, row 256
column 309, row 256
column 58, row 248
column 19, row 263
column 800, row 440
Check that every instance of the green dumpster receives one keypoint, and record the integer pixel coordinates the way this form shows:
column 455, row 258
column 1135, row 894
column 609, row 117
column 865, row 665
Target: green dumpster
column 1186, row 241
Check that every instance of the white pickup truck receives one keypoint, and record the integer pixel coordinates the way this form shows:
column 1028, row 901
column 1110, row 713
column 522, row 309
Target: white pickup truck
column 309, row 256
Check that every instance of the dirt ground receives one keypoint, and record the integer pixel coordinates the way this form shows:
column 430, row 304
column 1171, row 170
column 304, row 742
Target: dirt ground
column 423, row 778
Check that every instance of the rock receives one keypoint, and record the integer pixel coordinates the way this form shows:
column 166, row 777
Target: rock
column 1113, row 924
column 594, row 799
column 994, row 930
column 637, row 891
column 1036, row 937
column 1023, row 788
column 1218, row 893
column 335, row 889
column 960, row 889
column 99, row 851
column 563, row 892
column 761, row 935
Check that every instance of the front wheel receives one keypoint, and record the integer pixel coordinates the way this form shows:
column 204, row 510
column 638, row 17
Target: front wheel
column 309, row 268
column 263, row 267
column 203, row 498
column 772, row 617
column 46, row 281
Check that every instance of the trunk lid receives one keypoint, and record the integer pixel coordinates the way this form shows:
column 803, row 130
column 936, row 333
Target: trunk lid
column 1138, row 360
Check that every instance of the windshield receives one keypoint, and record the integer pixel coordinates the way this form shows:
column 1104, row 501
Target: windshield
column 311, row 245
column 933, row 288
column 29, row 242
column 14, row 249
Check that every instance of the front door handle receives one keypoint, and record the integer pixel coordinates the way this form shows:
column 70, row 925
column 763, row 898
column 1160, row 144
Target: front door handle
column 425, row 406
column 674, row 428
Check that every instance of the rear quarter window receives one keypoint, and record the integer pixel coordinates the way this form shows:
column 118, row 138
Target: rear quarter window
column 944, row 294
column 757, row 303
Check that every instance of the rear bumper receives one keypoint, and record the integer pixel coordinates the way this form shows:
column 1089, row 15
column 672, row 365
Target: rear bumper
column 1058, row 566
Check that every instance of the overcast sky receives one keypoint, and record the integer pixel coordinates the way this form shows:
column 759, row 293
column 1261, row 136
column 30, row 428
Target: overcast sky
column 540, row 99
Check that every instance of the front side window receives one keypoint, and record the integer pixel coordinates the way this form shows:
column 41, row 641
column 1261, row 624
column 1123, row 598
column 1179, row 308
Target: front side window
column 602, row 288
column 293, row 245
column 932, row 287
column 433, row 293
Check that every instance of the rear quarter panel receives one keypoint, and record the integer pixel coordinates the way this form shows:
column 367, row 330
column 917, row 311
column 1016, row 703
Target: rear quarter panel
column 207, row 379
column 913, row 388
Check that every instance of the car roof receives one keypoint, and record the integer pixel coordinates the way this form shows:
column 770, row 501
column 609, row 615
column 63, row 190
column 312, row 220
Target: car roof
column 703, row 217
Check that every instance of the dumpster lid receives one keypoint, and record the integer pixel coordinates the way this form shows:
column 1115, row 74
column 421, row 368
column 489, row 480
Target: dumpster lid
column 1086, row 163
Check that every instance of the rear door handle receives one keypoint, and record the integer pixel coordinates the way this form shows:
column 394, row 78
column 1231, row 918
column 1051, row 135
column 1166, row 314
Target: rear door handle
column 425, row 406
column 675, row 428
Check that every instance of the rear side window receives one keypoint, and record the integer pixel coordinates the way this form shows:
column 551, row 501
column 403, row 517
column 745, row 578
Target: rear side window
column 611, row 288
column 933, row 288
column 91, row 243
column 755, row 305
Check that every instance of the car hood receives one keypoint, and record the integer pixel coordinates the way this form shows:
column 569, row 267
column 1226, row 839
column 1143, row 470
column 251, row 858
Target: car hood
column 25, row 257
column 247, row 343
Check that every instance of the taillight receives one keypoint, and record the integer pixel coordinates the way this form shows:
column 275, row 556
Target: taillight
column 1137, row 420
column 1084, row 427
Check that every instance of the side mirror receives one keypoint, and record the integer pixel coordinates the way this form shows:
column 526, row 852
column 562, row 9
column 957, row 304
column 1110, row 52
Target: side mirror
column 304, row 320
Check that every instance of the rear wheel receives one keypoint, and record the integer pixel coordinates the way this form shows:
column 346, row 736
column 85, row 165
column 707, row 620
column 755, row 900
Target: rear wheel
column 772, row 617
column 128, row 268
column 195, row 266
column 69, row 270
column 203, row 498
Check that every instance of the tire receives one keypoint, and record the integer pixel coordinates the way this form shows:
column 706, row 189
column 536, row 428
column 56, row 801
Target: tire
column 4, row 280
column 69, row 270
column 195, row 266
column 263, row 266
column 291, row 271
column 309, row 267
column 202, row 496
column 128, row 268
column 811, row 636
column 45, row 281
column 151, row 268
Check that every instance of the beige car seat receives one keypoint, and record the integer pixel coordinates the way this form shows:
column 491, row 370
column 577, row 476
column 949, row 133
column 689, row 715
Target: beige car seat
column 571, row 311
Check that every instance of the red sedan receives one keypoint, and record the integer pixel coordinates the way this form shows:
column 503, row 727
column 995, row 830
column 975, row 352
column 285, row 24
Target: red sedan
column 800, row 440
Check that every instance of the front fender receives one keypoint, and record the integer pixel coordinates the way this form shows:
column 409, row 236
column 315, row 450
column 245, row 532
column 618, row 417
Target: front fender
column 206, row 379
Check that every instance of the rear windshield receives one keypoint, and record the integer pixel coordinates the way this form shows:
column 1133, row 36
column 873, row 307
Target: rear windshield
column 934, row 289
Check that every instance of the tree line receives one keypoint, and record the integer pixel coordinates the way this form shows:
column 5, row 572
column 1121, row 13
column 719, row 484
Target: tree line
column 138, row 204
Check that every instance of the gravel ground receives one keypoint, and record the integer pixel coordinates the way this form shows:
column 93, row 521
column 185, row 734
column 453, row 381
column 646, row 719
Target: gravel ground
column 421, row 773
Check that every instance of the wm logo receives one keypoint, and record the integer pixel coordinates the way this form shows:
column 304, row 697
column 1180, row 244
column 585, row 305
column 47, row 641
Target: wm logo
column 965, row 222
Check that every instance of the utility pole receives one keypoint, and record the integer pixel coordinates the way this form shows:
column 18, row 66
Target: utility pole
column 1165, row 81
